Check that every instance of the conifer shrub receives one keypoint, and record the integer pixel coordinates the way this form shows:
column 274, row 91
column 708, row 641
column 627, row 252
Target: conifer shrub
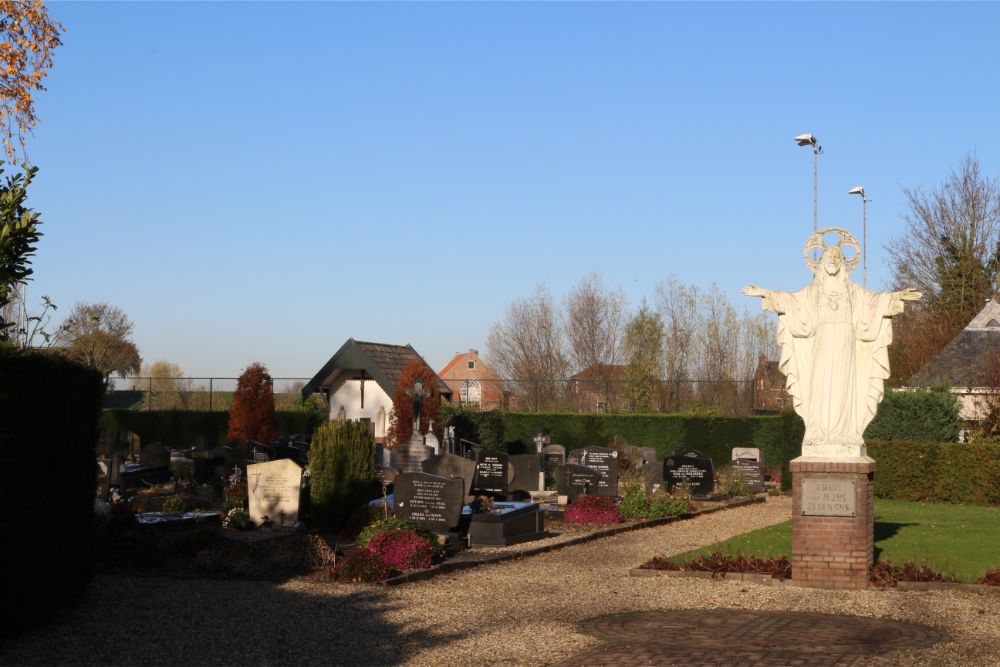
column 926, row 415
column 593, row 510
column 342, row 467
column 251, row 416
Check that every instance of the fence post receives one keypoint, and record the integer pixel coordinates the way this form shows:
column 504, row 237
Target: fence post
column 149, row 396
column 753, row 396
column 677, row 395
column 536, row 396
column 607, row 400
column 210, row 394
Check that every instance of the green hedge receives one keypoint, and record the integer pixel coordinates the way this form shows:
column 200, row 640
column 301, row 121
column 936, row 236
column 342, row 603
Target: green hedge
column 47, row 484
column 948, row 472
column 180, row 428
column 931, row 416
column 778, row 437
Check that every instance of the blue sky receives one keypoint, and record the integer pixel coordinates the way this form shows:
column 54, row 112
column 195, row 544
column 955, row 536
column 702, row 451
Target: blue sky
column 262, row 181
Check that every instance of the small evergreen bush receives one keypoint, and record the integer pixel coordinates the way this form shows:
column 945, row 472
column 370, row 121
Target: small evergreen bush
column 593, row 510
column 342, row 468
column 634, row 504
column 663, row 505
column 174, row 505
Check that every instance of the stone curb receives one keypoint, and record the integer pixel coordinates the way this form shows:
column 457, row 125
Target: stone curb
column 946, row 586
column 768, row 580
column 445, row 567
column 765, row 579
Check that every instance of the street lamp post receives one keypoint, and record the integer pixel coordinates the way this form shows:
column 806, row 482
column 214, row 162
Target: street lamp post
column 810, row 140
column 860, row 190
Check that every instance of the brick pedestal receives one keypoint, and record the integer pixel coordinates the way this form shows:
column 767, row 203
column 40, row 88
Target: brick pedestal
column 829, row 549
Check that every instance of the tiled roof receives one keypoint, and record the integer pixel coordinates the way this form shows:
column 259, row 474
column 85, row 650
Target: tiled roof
column 451, row 364
column 384, row 363
column 966, row 361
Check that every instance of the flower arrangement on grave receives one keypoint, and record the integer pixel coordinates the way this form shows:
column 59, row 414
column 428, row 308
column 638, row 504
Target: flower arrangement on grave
column 361, row 566
column 593, row 510
column 482, row 504
column 237, row 518
column 235, row 496
column 402, row 549
column 174, row 505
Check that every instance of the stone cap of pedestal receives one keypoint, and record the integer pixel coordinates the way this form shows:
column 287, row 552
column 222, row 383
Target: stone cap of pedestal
column 856, row 464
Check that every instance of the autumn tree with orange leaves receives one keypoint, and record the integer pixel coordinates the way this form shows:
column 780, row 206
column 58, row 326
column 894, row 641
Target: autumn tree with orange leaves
column 28, row 37
column 251, row 416
column 401, row 417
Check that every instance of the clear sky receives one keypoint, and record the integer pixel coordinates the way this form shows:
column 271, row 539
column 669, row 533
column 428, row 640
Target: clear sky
column 262, row 181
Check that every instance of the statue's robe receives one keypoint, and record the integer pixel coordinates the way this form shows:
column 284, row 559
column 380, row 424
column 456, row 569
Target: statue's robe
column 834, row 338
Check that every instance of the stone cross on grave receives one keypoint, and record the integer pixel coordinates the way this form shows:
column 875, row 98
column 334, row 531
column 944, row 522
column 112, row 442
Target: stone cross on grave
column 541, row 440
column 418, row 393
column 362, row 378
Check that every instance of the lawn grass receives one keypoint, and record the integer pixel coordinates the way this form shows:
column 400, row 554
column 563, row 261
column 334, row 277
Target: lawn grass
column 962, row 541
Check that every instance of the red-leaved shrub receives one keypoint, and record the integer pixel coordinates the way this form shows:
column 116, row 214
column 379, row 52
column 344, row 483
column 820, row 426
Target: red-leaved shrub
column 991, row 578
column 886, row 574
column 593, row 509
column 361, row 566
column 719, row 562
column 402, row 549
column 251, row 416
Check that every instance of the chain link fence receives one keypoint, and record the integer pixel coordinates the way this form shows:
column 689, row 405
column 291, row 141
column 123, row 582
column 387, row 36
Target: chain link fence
column 194, row 393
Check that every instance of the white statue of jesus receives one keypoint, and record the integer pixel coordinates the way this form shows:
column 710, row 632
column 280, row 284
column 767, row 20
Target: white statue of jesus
column 834, row 336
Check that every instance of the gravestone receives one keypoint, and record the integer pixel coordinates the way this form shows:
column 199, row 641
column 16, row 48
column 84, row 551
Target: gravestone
column 506, row 524
column 553, row 457
column 747, row 454
column 471, row 450
column 574, row 480
column 430, row 440
column 575, row 456
column 491, row 473
column 752, row 473
column 451, row 465
column 273, row 490
column 385, row 475
column 690, row 467
column 407, row 456
column 526, row 469
column 429, row 500
column 605, row 461
column 154, row 456
column 652, row 470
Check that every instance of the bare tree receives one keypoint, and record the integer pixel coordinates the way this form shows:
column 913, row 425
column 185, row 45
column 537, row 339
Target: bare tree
column 98, row 335
column 595, row 320
column 949, row 251
column 528, row 348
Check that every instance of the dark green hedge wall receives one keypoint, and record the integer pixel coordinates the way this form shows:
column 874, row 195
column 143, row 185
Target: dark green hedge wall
column 180, row 428
column 778, row 437
column 48, row 430
column 948, row 472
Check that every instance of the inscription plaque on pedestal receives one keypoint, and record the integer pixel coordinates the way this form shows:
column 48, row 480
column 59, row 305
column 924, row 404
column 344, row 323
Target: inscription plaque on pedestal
column 828, row 497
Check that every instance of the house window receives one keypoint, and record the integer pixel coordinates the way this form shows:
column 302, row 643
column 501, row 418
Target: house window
column 471, row 365
column 470, row 393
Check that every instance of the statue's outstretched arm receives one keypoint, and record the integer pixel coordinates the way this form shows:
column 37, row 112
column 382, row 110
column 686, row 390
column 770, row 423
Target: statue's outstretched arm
column 770, row 302
column 909, row 294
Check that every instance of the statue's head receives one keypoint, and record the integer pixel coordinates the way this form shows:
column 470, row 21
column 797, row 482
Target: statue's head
column 833, row 260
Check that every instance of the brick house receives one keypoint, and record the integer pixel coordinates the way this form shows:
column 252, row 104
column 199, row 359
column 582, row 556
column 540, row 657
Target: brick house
column 769, row 395
column 473, row 382
column 598, row 388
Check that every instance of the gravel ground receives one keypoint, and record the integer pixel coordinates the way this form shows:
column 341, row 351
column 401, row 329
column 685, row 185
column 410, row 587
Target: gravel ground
column 521, row 612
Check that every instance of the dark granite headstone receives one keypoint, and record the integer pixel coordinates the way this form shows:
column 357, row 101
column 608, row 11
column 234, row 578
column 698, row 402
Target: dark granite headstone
column 605, row 461
column 491, row 473
column 428, row 500
column 752, row 473
column 553, row 456
column 690, row 467
column 154, row 456
column 574, row 480
column 471, row 450
column 451, row 465
column 527, row 468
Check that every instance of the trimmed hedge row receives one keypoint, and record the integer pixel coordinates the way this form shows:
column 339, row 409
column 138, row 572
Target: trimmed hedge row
column 180, row 428
column 947, row 472
column 931, row 416
column 48, row 476
column 778, row 437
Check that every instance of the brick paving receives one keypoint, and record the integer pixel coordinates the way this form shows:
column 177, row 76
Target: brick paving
column 709, row 638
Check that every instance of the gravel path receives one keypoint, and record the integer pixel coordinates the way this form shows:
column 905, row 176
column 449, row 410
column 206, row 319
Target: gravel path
column 514, row 613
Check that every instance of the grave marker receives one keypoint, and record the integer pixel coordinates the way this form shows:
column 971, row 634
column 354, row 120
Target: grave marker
column 690, row 467
column 274, row 490
column 429, row 500
column 491, row 473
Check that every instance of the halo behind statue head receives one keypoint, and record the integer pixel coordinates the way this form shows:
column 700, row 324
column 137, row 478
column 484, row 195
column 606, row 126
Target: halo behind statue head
column 816, row 241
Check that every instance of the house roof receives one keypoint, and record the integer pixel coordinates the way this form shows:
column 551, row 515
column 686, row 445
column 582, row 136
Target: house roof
column 968, row 360
column 451, row 364
column 382, row 362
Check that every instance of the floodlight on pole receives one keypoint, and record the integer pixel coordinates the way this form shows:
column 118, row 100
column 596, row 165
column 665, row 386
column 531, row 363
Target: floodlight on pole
column 810, row 140
column 860, row 190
